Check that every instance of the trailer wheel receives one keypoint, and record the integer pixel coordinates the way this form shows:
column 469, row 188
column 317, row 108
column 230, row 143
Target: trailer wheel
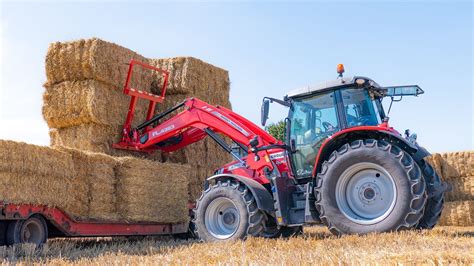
column 227, row 211
column 32, row 230
column 3, row 233
column 370, row 186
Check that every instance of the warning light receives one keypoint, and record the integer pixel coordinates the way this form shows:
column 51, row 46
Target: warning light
column 340, row 69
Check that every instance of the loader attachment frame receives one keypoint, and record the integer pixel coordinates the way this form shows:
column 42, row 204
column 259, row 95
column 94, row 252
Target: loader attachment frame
column 196, row 120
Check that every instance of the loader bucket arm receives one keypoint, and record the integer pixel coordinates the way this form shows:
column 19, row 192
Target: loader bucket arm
column 193, row 124
column 198, row 120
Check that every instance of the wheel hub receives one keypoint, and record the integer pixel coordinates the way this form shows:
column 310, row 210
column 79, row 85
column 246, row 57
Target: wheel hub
column 365, row 193
column 222, row 218
column 369, row 192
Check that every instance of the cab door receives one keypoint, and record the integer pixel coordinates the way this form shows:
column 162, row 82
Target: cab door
column 313, row 119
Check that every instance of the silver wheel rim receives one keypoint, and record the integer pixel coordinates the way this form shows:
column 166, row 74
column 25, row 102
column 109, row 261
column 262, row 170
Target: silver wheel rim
column 366, row 193
column 31, row 232
column 222, row 218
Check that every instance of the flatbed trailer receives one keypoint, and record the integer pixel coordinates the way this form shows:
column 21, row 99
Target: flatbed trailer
column 20, row 223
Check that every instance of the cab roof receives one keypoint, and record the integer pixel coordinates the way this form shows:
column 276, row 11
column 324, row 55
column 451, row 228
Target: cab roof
column 328, row 85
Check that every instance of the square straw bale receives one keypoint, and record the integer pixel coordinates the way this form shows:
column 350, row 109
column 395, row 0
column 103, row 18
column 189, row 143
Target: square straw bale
column 22, row 158
column 98, row 172
column 462, row 189
column 93, row 59
column 152, row 191
column 73, row 103
column 95, row 138
column 458, row 213
column 189, row 75
column 458, row 164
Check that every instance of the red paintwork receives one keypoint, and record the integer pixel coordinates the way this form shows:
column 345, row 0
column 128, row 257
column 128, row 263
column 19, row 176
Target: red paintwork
column 278, row 156
column 382, row 127
column 70, row 227
column 136, row 94
column 189, row 125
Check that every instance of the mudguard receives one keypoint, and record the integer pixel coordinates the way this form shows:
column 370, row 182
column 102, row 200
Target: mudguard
column 363, row 132
column 263, row 198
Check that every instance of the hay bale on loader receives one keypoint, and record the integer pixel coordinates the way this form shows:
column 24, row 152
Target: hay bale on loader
column 74, row 103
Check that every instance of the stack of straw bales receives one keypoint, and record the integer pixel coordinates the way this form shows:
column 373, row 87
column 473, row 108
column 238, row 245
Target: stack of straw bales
column 84, row 105
column 92, row 186
column 85, row 108
column 457, row 169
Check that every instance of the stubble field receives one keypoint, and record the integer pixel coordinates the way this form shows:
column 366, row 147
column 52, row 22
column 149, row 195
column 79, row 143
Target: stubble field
column 443, row 245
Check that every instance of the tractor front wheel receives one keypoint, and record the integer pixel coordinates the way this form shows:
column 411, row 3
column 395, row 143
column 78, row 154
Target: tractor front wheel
column 370, row 186
column 227, row 211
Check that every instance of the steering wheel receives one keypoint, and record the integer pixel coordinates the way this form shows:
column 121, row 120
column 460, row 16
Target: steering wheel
column 363, row 121
column 327, row 125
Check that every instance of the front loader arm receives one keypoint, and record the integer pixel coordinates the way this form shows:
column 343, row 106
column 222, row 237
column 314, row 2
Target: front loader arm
column 194, row 123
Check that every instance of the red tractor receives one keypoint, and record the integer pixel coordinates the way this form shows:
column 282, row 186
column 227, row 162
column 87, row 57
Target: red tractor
column 341, row 164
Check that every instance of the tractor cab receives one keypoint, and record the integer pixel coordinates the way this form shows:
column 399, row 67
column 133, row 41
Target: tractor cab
column 319, row 111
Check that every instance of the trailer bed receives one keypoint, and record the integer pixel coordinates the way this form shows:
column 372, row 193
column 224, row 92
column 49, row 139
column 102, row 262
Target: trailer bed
column 74, row 228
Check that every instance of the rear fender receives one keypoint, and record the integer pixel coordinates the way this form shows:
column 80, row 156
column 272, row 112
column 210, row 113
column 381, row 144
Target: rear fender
column 262, row 197
column 366, row 132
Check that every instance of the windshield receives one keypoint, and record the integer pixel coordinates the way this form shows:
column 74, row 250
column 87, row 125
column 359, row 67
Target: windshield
column 315, row 118
column 312, row 119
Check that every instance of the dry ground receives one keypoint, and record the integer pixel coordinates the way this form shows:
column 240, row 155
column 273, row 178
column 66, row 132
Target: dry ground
column 443, row 245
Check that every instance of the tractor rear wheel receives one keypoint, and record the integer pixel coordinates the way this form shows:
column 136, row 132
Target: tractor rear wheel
column 227, row 211
column 370, row 186
column 434, row 204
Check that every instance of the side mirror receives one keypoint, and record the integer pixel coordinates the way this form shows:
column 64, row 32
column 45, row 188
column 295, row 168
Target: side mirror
column 264, row 111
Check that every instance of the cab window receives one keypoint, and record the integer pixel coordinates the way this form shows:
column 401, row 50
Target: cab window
column 359, row 108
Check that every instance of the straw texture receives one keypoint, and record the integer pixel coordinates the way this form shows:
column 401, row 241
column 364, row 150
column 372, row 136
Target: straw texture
column 458, row 213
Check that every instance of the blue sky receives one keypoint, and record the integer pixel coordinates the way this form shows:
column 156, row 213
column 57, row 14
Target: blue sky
column 269, row 49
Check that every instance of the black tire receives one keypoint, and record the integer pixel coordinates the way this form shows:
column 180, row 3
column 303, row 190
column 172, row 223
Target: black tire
column 434, row 204
column 3, row 232
column 32, row 230
column 410, row 188
column 250, row 219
